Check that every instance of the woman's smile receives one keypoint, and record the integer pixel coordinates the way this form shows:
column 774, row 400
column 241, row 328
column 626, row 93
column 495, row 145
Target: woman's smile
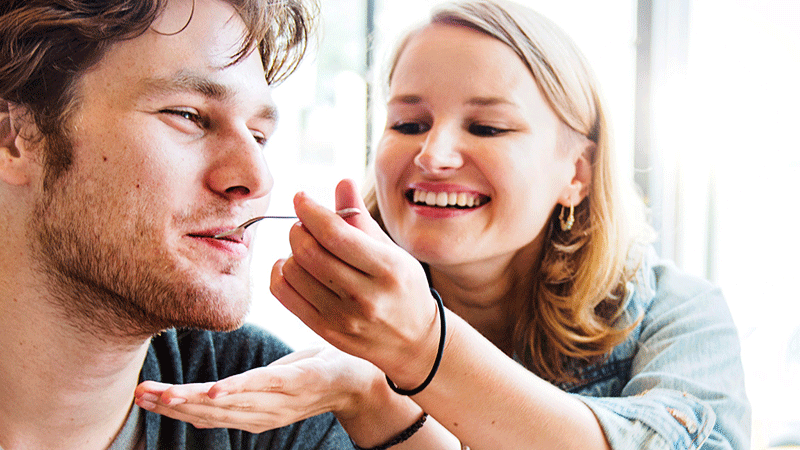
column 470, row 166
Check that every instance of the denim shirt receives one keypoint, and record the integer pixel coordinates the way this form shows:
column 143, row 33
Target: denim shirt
column 677, row 381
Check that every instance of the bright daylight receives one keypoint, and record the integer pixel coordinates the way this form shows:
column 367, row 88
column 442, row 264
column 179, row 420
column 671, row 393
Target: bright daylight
column 721, row 113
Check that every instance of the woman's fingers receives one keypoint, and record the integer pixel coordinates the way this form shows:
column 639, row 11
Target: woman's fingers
column 326, row 313
column 348, row 196
column 365, row 252
column 329, row 270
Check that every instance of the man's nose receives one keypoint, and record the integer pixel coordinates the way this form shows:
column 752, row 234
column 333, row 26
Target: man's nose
column 239, row 170
column 441, row 150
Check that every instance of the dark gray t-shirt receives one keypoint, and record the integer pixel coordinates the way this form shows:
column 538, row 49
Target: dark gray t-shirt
column 197, row 356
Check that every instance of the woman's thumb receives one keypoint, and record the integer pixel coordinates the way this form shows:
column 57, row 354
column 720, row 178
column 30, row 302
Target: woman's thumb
column 348, row 196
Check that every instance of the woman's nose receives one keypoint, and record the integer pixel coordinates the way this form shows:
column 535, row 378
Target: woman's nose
column 440, row 151
column 239, row 171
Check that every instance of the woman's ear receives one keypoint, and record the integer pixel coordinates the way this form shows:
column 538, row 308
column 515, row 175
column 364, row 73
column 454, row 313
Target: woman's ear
column 15, row 159
column 581, row 182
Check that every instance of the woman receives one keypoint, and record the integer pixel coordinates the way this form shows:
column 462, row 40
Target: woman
column 563, row 329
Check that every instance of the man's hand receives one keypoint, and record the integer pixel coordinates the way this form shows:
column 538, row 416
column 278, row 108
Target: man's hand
column 295, row 387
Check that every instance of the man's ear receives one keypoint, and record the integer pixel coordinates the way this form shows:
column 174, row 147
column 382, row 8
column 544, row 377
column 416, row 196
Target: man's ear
column 581, row 182
column 15, row 159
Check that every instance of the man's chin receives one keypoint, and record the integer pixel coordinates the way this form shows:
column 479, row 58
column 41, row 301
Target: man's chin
column 222, row 316
column 196, row 306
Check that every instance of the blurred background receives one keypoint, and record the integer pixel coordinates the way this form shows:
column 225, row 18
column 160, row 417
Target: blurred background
column 704, row 98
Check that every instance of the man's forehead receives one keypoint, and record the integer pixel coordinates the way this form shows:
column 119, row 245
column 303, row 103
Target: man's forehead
column 199, row 58
column 210, row 27
column 175, row 16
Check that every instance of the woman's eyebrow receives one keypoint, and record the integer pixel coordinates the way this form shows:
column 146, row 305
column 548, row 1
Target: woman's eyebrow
column 411, row 99
column 405, row 100
column 490, row 101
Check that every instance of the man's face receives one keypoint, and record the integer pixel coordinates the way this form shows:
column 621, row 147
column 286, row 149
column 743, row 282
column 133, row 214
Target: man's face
column 167, row 144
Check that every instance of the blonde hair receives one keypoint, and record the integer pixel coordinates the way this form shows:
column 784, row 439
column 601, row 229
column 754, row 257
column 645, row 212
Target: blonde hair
column 582, row 275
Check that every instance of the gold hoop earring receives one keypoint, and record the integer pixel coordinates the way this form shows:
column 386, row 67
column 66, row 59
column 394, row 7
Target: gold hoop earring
column 566, row 225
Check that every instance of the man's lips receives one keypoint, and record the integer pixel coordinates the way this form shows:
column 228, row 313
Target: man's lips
column 209, row 234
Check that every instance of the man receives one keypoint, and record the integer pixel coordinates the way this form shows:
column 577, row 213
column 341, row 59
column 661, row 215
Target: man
column 131, row 132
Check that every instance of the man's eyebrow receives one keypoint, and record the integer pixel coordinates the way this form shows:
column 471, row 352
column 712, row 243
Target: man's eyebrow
column 183, row 82
column 198, row 84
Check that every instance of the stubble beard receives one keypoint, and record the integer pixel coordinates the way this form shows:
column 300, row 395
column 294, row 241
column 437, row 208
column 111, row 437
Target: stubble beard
column 116, row 283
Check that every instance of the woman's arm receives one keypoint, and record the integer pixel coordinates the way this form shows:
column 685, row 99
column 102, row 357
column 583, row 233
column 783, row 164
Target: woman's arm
column 365, row 295
column 369, row 298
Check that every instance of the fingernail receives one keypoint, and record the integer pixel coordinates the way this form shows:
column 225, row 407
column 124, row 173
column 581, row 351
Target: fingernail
column 144, row 404
column 148, row 397
column 175, row 401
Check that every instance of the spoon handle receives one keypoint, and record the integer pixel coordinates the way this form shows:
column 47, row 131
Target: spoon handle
column 343, row 213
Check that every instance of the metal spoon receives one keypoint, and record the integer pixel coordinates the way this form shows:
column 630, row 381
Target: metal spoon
column 239, row 231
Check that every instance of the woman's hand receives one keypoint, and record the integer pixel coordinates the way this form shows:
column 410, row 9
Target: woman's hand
column 295, row 387
column 358, row 290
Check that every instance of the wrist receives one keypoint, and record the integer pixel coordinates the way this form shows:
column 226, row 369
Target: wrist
column 440, row 345
column 398, row 439
column 362, row 393
column 375, row 415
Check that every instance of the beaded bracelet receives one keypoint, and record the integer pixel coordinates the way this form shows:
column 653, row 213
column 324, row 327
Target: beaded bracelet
column 435, row 368
column 402, row 437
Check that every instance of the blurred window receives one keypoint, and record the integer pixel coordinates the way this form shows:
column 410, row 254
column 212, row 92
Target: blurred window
column 702, row 96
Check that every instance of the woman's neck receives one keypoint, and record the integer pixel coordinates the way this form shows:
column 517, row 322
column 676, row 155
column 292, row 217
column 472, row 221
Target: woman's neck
column 486, row 293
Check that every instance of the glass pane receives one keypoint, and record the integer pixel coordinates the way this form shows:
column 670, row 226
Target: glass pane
column 320, row 139
column 743, row 71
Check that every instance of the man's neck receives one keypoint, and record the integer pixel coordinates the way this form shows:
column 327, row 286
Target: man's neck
column 60, row 387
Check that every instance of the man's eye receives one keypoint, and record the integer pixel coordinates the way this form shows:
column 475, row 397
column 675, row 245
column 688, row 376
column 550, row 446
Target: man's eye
column 187, row 115
column 260, row 139
column 485, row 130
column 411, row 128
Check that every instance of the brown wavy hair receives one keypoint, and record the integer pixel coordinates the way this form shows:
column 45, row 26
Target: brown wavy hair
column 46, row 45
column 582, row 275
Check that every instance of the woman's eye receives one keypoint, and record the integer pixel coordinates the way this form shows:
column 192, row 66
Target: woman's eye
column 411, row 128
column 485, row 130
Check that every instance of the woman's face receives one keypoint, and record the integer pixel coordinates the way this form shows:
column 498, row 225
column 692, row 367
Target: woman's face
column 471, row 163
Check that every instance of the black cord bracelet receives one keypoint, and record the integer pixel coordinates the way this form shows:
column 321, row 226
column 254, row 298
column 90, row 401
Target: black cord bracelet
column 438, row 360
column 402, row 437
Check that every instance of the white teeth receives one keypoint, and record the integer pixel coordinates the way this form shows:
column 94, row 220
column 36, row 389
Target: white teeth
column 445, row 199
column 430, row 199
